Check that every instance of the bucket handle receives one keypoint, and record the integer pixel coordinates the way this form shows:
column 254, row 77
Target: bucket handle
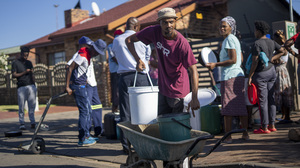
column 186, row 126
column 147, row 76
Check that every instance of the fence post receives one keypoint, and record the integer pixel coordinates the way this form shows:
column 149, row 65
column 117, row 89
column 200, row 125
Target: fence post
column 51, row 81
column 9, row 85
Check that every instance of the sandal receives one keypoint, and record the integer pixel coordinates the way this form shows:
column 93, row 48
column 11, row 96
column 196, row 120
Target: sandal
column 261, row 131
column 272, row 129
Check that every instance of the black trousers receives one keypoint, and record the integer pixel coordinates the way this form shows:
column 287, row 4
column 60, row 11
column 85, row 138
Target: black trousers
column 126, row 80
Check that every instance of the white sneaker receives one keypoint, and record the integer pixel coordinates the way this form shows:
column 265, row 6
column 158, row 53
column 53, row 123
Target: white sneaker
column 44, row 127
column 22, row 127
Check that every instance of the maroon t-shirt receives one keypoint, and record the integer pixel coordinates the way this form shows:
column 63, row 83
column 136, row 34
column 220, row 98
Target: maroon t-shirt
column 174, row 58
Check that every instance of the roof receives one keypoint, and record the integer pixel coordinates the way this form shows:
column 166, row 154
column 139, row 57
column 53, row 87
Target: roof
column 105, row 18
column 287, row 5
column 144, row 10
column 44, row 41
column 182, row 7
column 11, row 50
column 95, row 23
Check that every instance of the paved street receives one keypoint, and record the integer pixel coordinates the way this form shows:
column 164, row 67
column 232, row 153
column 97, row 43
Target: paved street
column 10, row 157
column 269, row 150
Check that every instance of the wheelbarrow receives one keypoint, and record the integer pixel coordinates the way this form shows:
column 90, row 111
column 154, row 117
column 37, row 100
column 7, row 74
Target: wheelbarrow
column 148, row 146
column 37, row 144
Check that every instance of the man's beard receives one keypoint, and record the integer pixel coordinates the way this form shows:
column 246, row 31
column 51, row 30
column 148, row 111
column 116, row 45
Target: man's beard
column 168, row 32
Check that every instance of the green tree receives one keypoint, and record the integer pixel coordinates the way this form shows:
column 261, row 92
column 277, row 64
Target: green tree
column 3, row 61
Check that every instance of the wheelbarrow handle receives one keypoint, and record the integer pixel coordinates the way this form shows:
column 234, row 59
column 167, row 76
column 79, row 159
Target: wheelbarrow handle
column 217, row 144
column 194, row 144
column 222, row 139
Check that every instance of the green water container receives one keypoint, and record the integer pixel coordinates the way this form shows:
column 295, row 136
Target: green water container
column 170, row 130
column 210, row 117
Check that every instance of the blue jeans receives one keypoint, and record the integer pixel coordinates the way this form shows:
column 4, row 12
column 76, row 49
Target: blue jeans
column 96, row 109
column 27, row 93
column 85, row 110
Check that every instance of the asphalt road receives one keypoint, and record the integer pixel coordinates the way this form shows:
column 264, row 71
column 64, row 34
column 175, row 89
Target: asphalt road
column 11, row 157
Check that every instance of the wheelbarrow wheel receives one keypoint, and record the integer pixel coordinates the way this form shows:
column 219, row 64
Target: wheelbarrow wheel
column 38, row 146
column 134, row 158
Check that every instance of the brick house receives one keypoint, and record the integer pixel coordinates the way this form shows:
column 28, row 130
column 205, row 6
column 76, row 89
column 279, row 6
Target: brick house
column 62, row 44
column 197, row 19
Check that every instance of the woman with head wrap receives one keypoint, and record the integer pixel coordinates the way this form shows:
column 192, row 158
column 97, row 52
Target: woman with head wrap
column 263, row 75
column 232, row 77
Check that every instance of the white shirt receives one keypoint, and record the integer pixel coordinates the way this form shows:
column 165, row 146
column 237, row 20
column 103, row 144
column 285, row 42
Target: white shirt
column 126, row 61
column 91, row 80
column 72, row 59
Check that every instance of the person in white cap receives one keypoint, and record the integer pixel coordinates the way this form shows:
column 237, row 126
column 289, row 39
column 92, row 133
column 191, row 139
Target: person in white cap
column 175, row 56
column 76, row 83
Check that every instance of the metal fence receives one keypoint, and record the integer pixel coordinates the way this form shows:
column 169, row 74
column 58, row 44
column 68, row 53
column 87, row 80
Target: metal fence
column 50, row 81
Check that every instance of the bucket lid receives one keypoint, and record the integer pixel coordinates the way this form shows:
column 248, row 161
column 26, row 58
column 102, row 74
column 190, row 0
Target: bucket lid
column 252, row 94
column 205, row 97
column 208, row 55
column 143, row 89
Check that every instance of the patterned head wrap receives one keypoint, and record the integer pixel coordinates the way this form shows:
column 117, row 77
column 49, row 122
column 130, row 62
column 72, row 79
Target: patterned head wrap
column 231, row 22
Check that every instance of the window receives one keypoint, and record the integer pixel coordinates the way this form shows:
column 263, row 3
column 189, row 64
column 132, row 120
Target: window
column 57, row 57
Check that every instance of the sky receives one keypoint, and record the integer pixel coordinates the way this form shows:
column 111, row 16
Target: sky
column 23, row 21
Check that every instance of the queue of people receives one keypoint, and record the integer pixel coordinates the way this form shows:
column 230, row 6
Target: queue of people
column 129, row 58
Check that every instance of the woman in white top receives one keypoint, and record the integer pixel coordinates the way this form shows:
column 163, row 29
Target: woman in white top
column 283, row 88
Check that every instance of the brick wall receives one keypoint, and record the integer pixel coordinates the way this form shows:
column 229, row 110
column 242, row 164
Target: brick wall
column 74, row 16
column 43, row 52
column 202, row 28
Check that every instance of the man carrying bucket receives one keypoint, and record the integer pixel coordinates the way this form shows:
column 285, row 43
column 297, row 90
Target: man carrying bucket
column 127, row 69
column 175, row 56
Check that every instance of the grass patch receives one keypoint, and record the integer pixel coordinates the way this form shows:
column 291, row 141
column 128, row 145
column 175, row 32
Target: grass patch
column 12, row 108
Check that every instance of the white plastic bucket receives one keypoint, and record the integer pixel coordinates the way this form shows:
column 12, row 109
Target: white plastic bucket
column 205, row 97
column 195, row 122
column 143, row 101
